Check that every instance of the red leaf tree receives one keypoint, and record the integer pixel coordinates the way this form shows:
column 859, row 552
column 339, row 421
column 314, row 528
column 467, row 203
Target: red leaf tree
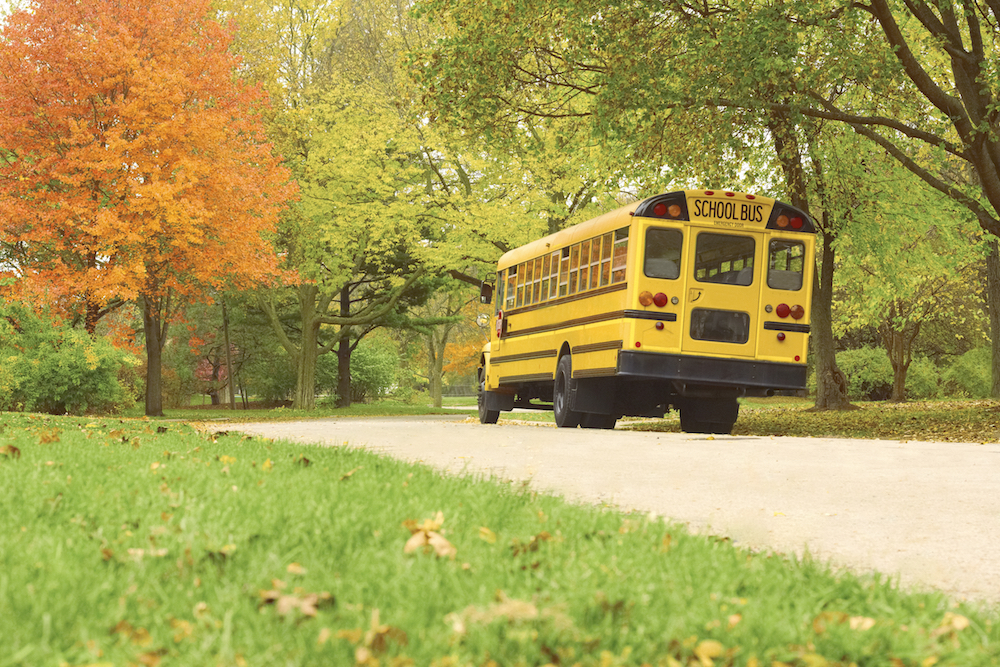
column 133, row 162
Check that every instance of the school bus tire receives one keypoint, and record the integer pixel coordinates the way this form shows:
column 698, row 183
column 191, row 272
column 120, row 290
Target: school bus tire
column 594, row 420
column 486, row 416
column 709, row 415
column 565, row 418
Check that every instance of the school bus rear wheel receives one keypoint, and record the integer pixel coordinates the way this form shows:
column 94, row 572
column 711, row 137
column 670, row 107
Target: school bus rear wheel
column 565, row 417
column 708, row 415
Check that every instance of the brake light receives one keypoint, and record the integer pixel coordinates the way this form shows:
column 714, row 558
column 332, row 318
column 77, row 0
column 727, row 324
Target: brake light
column 660, row 299
column 782, row 310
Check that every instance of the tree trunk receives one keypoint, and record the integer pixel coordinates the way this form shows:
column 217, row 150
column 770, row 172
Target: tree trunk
column 344, row 370
column 900, row 359
column 231, row 382
column 993, row 307
column 156, row 333
column 831, row 383
column 344, row 352
column 435, row 368
column 305, row 355
column 305, row 369
column 899, row 346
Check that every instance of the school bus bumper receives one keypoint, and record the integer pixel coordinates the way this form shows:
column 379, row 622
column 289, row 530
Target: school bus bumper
column 736, row 373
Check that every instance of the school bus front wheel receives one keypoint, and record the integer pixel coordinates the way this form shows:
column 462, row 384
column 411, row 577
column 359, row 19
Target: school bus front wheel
column 486, row 415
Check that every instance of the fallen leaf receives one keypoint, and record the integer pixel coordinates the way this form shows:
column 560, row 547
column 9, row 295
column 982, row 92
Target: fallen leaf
column 182, row 629
column 426, row 536
column 861, row 623
column 707, row 651
column 49, row 436
column 10, row 451
column 347, row 475
column 295, row 568
column 487, row 535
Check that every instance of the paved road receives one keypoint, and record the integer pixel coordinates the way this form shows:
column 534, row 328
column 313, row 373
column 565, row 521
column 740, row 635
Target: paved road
column 927, row 512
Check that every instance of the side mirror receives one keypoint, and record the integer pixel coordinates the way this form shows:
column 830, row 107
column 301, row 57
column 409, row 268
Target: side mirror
column 486, row 293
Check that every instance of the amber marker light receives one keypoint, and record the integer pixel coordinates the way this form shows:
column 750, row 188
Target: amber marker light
column 782, row 221
column 798, row 312
column 646, row 298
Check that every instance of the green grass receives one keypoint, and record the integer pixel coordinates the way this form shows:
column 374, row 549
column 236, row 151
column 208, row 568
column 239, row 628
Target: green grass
column 386, row 408
column 150, row 543
column 944, row 421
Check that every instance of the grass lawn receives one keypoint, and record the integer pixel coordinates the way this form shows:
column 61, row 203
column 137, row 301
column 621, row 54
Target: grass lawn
column 150, row 543
column 376, row 409
column 945, row 421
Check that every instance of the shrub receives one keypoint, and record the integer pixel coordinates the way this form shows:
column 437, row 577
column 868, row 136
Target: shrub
column 373, row 369
column 869, row 373
column 48, row 366
column 970, row 375
column 269, row 376
column 870, row 377
column 923, row 379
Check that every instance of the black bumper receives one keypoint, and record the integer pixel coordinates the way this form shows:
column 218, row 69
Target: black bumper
column 711, row 370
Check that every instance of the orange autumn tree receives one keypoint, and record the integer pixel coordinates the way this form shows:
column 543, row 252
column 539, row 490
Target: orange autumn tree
column 133, row 161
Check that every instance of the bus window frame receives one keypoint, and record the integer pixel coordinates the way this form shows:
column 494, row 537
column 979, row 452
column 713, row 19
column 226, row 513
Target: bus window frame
column 677, row 262
column 726, row 259
column 780, row 275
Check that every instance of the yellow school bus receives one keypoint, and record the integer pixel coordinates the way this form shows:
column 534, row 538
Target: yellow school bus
column 686, row 300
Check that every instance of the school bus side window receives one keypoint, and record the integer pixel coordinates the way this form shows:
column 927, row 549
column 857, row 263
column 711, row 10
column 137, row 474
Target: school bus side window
column 663, row 253
column 511, row 287
column 785, row 265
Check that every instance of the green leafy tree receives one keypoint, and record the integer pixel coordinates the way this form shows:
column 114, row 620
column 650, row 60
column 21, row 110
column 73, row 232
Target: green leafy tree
column 905, row 253
column 548, row 63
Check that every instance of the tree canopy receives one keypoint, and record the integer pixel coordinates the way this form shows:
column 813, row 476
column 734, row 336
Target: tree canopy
column 134, row 164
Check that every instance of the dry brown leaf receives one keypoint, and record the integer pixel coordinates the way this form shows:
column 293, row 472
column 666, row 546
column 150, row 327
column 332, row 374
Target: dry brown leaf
column 10, row 451
column 182, row 629
column 425, row 536
column 353, row 636
column 707, row 651
column 49, row 436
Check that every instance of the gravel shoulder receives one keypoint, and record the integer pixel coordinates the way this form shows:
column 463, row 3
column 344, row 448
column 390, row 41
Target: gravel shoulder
column 925, row 513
